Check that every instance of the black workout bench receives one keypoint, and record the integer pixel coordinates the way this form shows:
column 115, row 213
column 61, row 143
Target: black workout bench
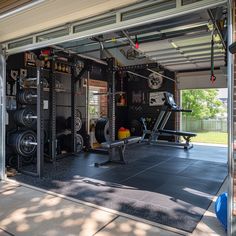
column 186, row 135
column 119, row 145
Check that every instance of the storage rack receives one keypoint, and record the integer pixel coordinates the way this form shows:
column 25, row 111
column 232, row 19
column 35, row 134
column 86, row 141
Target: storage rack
column 40, row 126
column 75, row 77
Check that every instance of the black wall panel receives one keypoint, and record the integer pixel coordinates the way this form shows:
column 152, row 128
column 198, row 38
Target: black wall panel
column 138, row 93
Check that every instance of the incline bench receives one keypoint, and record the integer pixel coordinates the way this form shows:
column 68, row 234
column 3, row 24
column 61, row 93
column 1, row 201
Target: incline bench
column 119, row 145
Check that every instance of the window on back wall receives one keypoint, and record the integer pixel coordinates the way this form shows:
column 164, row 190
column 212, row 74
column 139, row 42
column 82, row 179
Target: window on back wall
column 97, row 102
column 94, row 103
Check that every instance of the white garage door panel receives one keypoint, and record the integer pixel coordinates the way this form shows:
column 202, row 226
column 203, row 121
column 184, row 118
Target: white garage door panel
column 52, row 13
column 201, row 80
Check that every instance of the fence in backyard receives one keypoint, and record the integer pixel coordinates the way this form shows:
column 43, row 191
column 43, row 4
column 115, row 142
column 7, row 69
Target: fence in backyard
column 193, row 125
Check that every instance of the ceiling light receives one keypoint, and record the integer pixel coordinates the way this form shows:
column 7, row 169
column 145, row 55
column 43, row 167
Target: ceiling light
column 174, row 45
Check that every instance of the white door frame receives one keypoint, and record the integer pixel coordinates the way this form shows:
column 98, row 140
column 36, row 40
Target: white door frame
column 2, row 114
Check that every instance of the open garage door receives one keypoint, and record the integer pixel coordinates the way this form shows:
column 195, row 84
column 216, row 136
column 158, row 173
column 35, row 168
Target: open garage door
column 2, row 115
column 64, row 25
column 201, row 80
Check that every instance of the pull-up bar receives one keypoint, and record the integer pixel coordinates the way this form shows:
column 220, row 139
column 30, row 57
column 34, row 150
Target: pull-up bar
column 147, row 78
column 164, row 76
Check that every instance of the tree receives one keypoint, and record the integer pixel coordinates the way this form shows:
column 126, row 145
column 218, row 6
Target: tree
column 203, row 103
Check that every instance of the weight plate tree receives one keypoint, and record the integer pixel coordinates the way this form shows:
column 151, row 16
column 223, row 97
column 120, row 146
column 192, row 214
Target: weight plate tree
column 23, row 142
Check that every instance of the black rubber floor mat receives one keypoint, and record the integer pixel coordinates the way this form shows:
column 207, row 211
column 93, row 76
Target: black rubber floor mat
column 167, row 190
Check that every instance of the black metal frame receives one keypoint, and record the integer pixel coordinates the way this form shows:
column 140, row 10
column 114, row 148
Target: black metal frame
column 52, row 115
column 75, row 78
column 40, row 129
column 138, row 67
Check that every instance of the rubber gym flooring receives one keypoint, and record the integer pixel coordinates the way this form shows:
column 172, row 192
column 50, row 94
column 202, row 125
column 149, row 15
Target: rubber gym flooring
column 169, row 186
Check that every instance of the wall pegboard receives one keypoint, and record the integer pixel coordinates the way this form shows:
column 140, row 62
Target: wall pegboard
column 139, row 101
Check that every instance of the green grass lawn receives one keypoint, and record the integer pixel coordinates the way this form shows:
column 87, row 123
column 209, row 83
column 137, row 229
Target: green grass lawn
column 211, row 137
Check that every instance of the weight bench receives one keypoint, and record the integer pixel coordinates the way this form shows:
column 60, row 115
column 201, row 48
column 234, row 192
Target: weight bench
column 186, row 135
column 119, row 145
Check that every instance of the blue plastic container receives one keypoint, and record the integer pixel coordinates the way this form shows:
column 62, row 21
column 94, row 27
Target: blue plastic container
column 221, row 209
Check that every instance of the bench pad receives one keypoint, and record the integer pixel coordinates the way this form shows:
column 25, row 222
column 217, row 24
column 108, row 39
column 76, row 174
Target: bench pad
column 132, row 139
column 112, row 144
column 180, row 133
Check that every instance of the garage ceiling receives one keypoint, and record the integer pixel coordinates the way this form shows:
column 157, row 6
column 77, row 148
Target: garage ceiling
column 179, row 45
column 52, row 13
column 177, row 33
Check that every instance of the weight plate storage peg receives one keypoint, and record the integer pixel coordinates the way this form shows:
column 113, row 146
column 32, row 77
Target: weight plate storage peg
column 23, row 142
column 25, row 118
column 27, row 96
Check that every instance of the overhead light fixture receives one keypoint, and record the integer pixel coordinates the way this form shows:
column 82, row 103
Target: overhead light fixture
column 174, row 45
column 19, row 9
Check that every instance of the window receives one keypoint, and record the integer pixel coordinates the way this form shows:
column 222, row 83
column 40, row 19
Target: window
column 94, row 103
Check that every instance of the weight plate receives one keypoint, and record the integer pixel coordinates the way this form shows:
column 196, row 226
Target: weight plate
column 155, row 81
column 79, row 143
column 18, row 141
column 101, row 130
column 28, row 160
column 106, row 132
column 78, row 123
column 26, row 96
column 22, row 118
column 136, row 128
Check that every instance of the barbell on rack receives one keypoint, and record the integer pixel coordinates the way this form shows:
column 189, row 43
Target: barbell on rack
column 25, row 117
column 27, row 96
column 23, row 142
